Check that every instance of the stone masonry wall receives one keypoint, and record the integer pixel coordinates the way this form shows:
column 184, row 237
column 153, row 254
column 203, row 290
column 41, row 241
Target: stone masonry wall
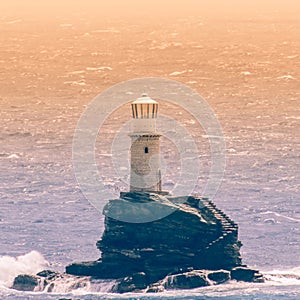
column 145, row 167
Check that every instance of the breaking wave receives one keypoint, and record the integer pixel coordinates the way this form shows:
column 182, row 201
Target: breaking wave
column 30, row 263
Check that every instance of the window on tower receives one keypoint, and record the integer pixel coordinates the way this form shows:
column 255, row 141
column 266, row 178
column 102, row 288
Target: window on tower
column 146, row 150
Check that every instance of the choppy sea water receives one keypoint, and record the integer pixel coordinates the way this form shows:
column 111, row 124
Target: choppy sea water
column 42, row 208
column 47, row 223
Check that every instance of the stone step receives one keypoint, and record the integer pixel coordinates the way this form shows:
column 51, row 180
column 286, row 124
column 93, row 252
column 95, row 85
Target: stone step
column 221, row 238
column 226, row 222
column 227, row 230
column 228, row 227
column 225, row 225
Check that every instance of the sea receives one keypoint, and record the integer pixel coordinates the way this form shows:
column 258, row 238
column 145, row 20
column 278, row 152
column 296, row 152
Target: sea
column 245, row 66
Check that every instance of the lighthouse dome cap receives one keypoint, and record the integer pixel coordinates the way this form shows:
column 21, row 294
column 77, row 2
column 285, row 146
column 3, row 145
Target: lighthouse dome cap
column 144, row 99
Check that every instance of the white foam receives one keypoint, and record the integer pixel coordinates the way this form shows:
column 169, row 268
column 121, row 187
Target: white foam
column 71, row 284
column 74, row 83
column 292, row 56
column 293, row 271
column 286, row 77
column 13, row 156
column 104, row 68
column 176, row 73
column 280, row 215
column 14, row 21
column 77, row 72
column 30, row 263
column 287, row 277
column 111, row 30
column 246, row 73
column 293, row 117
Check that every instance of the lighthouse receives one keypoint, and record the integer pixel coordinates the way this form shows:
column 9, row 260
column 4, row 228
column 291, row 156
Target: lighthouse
column 145, row 174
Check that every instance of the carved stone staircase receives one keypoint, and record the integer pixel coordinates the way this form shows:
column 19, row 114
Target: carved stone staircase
column 229, row 229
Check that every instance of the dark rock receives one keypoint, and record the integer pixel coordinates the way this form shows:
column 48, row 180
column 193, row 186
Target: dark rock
column 98, row 269
column 156, row 288
column 140, row 280
column 189, row 280
column 193, row 234
column 219, row 276
column 246, row 274
column 48, row 274
column 25, row 283
column 132, row 283
column 50, row 287
column 258, row 278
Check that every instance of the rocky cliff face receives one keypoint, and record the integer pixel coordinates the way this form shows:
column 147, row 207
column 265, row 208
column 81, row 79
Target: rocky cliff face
column 193, row 234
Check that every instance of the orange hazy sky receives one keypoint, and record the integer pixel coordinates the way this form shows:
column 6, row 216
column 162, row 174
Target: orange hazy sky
column 149, row 7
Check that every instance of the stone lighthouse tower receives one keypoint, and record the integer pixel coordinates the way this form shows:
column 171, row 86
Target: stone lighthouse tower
column 145, row 174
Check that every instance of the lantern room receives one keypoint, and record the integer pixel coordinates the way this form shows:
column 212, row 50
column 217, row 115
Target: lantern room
column 144, row 113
